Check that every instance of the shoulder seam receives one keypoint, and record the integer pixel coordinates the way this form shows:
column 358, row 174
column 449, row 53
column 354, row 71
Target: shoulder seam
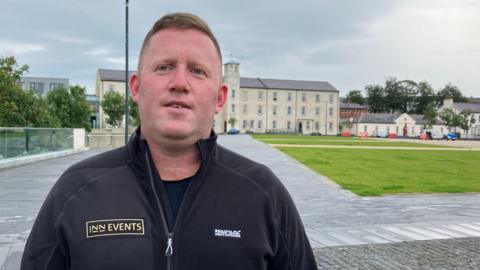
column 79, row 189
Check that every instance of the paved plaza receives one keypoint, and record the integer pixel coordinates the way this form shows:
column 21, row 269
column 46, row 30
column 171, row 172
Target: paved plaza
column 346, row 231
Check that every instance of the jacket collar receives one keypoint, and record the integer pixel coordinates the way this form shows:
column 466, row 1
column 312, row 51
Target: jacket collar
column 137, row 147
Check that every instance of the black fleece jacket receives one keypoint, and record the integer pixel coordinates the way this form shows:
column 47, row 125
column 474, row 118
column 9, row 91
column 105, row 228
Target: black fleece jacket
column 108, row 212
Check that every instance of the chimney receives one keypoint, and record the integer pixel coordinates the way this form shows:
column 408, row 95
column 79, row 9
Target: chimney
column 448, row 101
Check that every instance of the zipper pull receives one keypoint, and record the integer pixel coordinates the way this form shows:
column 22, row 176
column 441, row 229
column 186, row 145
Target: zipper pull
column 169, row 250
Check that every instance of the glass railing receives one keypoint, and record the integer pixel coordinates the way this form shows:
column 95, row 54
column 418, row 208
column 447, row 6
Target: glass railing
column 18, row 142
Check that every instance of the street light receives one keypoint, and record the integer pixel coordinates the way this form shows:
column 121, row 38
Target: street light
column 126, row 71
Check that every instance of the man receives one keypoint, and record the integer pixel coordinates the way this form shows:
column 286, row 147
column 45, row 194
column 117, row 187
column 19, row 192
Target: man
column 171, row 198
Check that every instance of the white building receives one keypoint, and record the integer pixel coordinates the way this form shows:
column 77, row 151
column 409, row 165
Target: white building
column 393, row 123
column 459, row 107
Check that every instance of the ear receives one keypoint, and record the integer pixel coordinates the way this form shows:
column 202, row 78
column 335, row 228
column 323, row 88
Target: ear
column 134, row 83
column 221, row 97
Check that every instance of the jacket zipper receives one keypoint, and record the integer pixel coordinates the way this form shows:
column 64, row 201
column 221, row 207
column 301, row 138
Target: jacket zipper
column 169, row 248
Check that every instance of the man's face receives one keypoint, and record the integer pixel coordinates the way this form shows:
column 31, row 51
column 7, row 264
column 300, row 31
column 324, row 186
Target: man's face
column 178, row 86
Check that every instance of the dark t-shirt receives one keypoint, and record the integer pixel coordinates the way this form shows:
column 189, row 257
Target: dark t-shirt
column 175, row 192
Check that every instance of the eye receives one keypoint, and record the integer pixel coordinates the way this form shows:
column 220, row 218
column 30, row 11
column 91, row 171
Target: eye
column 163, row 68
column 198, row 72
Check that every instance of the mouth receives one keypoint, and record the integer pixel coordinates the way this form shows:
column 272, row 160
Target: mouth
column 177, row 105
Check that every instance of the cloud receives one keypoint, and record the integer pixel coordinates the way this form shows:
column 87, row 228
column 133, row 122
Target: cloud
column 17, row 47
column 98, row 51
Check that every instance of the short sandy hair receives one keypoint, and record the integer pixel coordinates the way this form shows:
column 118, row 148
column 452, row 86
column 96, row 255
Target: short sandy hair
column 181, row 21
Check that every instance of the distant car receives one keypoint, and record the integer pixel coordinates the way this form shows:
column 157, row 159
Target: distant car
column 233, row 131
column 450, row 136
column 380, row 134
column 435, row 134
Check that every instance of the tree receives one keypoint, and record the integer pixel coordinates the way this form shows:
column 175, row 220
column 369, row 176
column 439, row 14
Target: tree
column 61, row 102
column 466, row 120
column 430, row 115
column 375, row 98
column 450, row 90
column 113, row 105
column 426, row 96
column 355, row 96
column 451, row 119
column 11, row 96
column 80, row 109
column 399, row 95
column 133, row 112
column 232, row 120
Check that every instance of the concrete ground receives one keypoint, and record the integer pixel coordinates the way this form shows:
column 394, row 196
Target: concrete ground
column 346, row 231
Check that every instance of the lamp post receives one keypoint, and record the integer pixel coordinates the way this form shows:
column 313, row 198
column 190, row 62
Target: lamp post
column 126, row 71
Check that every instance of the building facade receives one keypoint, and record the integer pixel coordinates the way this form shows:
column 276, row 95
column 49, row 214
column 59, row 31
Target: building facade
column 258, row 105
column 280, row 106
column 42, row 86
column 400, row 124
column 459, row 107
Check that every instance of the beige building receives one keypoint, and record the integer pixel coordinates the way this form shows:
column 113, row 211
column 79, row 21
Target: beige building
column 258, row 105
column 270, row 105
column 108, row 80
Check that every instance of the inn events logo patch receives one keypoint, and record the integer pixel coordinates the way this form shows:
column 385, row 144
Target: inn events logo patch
column 114, row 227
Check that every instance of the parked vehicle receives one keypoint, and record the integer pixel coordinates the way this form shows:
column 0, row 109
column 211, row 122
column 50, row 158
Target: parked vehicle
column 379, row 134
column 434, row 134
column 450, row 136
column 233, row 131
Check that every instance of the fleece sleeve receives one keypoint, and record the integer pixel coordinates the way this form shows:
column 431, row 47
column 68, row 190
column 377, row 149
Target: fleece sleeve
column 293, row 248
column 42, row 250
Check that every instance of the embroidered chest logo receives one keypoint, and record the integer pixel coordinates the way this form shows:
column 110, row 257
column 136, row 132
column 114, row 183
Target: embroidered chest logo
column 112, row 227
column 228, row 233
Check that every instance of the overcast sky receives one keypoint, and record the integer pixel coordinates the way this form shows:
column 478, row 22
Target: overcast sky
column 348, row 43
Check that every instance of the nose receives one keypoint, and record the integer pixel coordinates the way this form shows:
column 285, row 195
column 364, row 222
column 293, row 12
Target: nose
column 179, row 80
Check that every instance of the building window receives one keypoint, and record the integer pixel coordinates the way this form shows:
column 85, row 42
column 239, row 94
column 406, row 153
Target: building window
column 288, row 125
column 274, row 96
column 245, row 96
column 245, row 108
column 330, row 111
column 259, row 109
column 365, row 129
column 397, row 129
column 252, row 123
column 317, row 125
column 260, row 95
column 308, row 124
column 244, row 124
column 413, row 130
column 303, row 110
column 289, row 110
column 55, row 86
column 330, row 98
column 317, row 98
column 274, row 109
column 37, row 87
column 233, row 107
column 111, row 88
column 259, row 124
column 274, row 124
column 388, row 129
column 317, row 110
column 330, row 125
column 233, row 93
column 304, row 97
column 289, row 96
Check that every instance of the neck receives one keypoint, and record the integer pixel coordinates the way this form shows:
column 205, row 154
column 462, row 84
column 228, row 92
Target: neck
column 174, row 160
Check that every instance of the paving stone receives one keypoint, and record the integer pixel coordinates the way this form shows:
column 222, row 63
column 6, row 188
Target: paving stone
column 461, row 254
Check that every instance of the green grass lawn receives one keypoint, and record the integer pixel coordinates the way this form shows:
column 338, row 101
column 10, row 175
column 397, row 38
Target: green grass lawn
column 335, row 140
column 372, row 172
